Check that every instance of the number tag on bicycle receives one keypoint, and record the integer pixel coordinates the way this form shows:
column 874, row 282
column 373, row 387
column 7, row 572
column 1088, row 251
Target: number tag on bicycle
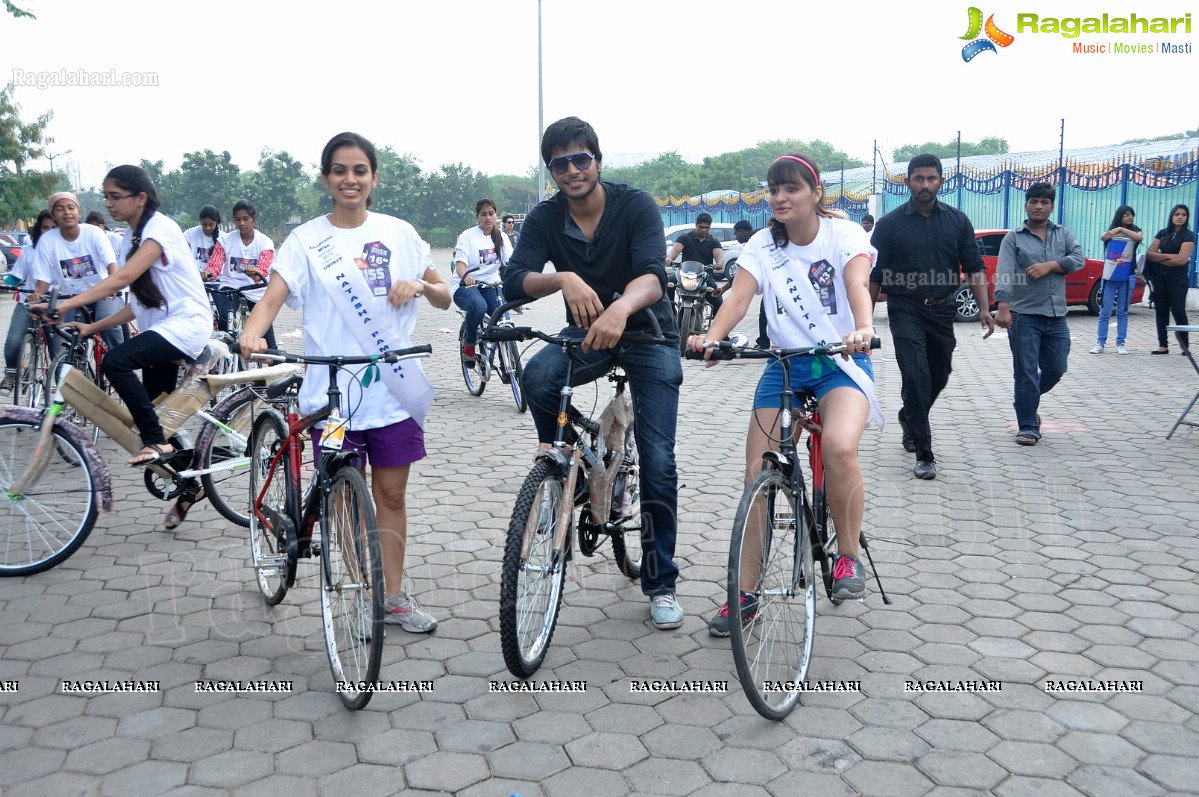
column 334, row 436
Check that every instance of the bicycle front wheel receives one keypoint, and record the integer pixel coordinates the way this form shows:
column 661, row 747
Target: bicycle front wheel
column 48, row 522
column 27, row 387
column 472, row 373
column 224, row 454
column 352, row 593
column 510, row 361
column 531, row 585
column 269, row 492
column 769, row 557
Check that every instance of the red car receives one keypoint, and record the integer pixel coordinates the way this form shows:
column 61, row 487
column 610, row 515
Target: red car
column 1082, row 287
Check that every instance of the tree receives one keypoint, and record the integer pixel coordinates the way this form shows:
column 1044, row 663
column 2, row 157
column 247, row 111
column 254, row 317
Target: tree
column 22, row 190
column 988, row 146
column 400, row 187
column 449, row 199
column 204, row 178
column 275, row 191
column 513, row 193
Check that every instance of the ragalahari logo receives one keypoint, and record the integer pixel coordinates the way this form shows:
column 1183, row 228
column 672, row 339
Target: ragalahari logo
column 977, row 45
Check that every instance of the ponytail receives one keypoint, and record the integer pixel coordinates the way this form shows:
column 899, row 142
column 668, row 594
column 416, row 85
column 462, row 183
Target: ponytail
column 136, row 180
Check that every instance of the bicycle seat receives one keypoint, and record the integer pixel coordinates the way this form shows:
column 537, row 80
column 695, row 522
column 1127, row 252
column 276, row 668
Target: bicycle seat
column 278, row 388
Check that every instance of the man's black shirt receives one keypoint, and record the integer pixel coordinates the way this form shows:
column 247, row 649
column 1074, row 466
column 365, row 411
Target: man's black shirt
column 627, row 245
column 697, row 250
column 919, row 257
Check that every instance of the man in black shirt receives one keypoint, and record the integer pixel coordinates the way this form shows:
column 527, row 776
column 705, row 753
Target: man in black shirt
column 606, row 239
column 923, row 246
column 699, row 246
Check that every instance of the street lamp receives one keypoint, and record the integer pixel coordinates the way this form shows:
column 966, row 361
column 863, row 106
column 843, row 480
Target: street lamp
column 52, row 158
column 540, row 111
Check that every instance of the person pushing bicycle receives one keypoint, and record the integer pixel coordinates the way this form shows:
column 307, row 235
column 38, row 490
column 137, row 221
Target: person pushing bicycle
column 813, row 269
column 605, row 241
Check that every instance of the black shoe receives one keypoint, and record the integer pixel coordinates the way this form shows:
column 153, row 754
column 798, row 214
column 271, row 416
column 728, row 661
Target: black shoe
column 909, row 442
column 925, row 470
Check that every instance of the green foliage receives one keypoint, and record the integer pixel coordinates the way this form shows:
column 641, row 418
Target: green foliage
column 988, row 146
column 401, row 186
column 23, row 191
column 275, row 190
column 448, row 198
column 17, row 13
column 1169, row 137
column 513, row 193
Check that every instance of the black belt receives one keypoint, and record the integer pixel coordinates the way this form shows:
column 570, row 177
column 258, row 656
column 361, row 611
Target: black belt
column 934, row 302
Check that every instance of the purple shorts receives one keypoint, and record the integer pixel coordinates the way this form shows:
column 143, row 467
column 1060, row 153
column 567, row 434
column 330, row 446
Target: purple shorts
column 391, row 446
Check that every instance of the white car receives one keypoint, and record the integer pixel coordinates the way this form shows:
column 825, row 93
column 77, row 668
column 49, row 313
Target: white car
column 722, row 232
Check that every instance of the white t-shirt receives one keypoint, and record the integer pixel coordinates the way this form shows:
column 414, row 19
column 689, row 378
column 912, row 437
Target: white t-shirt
column 387, row 250
column 75, row 265
column 201, row 246
column 476, row 249
column 23, row 268
column 185, row 319
column 239, row 256
column 822, row 262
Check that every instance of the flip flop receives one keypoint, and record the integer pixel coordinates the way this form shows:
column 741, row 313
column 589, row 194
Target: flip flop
column 178, row 513
column 1026, row 439
column 154, row 453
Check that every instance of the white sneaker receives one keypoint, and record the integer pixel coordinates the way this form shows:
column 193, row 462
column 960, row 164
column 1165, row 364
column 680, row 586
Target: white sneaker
column 403, row 610
column 1097, row 350
column 1121, row 350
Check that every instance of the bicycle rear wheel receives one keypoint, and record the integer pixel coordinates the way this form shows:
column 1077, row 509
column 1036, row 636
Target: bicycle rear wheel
column 626, row 511
column 513, row 371
column 226, row 448
column 531, row 587
column 472, row 374
column 48, row 522
column 269, row 491
column 352, row 592
column 768, row 550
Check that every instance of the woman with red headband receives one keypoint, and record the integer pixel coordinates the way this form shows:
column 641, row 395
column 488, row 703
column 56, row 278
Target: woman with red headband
column 808, row 263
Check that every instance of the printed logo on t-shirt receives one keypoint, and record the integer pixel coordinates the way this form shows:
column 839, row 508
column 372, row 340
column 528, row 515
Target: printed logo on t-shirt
column 376, row 265
column 821, row 275
column 202, row 254
column 240, row 264
column 488, row 257
column 78, row 267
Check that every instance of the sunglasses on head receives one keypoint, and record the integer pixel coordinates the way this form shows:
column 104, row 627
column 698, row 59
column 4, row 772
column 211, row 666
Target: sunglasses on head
column 581, row 160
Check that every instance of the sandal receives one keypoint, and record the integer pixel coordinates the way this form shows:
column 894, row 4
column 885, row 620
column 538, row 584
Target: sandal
column 1026, row 439
column 152, row 454
column 178, row 513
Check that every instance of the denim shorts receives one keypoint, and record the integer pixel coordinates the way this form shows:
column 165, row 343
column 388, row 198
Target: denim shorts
column 391, row 446
column 817, row 374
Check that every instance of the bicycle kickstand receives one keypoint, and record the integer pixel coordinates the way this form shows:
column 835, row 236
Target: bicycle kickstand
column 870, row 559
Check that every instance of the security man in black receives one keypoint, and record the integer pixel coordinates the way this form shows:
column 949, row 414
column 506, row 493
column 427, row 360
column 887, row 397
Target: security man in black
column 924, row 247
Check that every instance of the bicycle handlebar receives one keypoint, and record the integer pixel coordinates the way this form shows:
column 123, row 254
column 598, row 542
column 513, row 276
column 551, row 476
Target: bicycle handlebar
column 507, row 334
column 208, row 286
column 732, row 350
column 395, row 355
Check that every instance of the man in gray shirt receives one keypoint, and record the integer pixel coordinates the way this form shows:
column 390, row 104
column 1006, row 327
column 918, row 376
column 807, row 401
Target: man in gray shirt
column 1030, row 290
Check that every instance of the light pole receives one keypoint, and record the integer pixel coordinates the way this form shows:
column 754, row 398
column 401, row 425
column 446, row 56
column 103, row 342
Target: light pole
column 540, row 111
column 52, row 158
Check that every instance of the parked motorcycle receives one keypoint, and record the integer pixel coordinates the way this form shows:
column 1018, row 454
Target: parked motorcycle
column 690, row 295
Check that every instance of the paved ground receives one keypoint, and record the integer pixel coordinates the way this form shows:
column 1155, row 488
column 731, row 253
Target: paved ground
column 1075, row 559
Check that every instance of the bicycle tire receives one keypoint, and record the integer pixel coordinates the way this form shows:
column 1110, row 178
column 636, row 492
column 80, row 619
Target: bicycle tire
column 274, row 567
column 531, row 591
column 686, row 320
column 626, row 540
column 80, row 360
column 229, row 490
column 773, row 649
column 43, row 527
column 475, row 383
column 27, row 385
column 516, row 372
column 352, row 587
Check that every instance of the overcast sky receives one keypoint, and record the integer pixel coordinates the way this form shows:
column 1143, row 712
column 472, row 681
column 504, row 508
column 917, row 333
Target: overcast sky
column 456, row 80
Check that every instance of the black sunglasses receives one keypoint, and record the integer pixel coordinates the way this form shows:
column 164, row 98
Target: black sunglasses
column 581, row 160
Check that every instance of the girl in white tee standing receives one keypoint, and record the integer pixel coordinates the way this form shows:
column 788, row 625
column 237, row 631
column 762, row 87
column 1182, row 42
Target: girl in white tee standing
column 76, row 257
column 478, row 255
column 813, row 270
column 394, row 269
column 204, row 238
column 243, row 257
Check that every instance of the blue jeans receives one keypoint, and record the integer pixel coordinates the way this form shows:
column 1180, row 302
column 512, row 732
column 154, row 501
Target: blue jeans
column 477, row 301
column 1120, row 291
column 223, row 306
column 1040, row 348
column 655, row 373
column 17, row 328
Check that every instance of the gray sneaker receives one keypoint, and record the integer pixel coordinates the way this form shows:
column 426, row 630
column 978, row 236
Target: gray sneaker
column 665, row 612
column 402, row 609
column 8, row 384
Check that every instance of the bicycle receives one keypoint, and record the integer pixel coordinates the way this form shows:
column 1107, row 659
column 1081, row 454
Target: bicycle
column 503, row 357
column 283, row 522
column 594, row 460
column 235, row 318
column 778, row 536
column 54, row 482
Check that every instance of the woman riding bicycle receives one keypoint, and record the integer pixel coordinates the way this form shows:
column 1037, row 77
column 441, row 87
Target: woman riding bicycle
column 813, row 270
column 243, row 257
column 76, row 257
column 204, row 238
column 378, row 263
column 478, row 255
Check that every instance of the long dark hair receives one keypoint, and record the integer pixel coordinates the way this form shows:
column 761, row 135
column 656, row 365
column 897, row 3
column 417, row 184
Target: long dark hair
column 1118, row 219
column 793, row 168
column 211, row 213
column 136, row 180
column 1170, row 219
column 36, row 232
column 497, row 238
